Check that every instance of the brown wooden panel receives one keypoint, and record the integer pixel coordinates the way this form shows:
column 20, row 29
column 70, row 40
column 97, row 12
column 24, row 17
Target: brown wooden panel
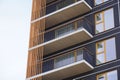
column 34, row 65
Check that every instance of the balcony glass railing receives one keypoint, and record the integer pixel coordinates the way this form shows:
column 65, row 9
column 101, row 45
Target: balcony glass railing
column 64, row 30
column 67, row 58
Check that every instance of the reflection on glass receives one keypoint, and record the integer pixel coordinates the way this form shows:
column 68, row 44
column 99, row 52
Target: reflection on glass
column 101, row 77
column 64, row 60
column 68, row 58
column 99, row 1
column 109, row 19
column 110, row 49
column 100, row 47
column 64, row 30
column 100, row 58
column 112, row 75
column 79, row 55
column 99, row 28
column 99, row 17
column 105, row 0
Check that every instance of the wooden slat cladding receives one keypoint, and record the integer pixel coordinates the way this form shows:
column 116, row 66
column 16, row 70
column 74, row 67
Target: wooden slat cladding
column 35, row 56
column 35, row 62
column 38, row 8
column 37, row 33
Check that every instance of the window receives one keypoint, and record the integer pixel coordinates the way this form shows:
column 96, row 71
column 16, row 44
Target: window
column 104, row 20
column 101, row 77
column 65, row 30
column 105, row 51
column 64, row 60
column 68, row 58
column 99, row 17
column 68, row 28
column 99, row 1
column 112, row 75
column 79, row 55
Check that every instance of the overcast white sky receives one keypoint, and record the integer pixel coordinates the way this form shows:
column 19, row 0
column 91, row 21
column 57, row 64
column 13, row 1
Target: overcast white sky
column 14, row 37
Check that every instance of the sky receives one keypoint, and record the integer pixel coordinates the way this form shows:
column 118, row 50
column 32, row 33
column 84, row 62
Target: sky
column 14, row 38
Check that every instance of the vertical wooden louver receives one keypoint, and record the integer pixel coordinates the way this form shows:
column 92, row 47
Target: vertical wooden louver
column 35, row 56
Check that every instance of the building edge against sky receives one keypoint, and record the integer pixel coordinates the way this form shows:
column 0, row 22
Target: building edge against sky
column 74, row 40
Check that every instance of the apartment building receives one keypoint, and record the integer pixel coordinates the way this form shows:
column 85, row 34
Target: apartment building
column 74, row 40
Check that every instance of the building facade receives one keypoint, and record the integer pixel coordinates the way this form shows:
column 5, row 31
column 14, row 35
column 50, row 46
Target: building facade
column 74, row 40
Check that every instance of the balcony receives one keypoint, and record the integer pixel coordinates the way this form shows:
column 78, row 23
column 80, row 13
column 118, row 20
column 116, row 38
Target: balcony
column 64, row 10
column 66, row 65
column 65, row 36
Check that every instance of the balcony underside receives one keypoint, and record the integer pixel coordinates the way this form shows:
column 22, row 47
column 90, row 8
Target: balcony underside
column 65, row 41
column 66, row 71
column 65, row 13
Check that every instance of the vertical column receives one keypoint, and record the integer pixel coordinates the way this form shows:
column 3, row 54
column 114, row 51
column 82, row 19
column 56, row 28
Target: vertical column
column 35, row 56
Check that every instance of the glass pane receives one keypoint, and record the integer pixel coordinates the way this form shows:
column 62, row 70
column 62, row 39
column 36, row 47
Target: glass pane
column 64, row 60
column 109, row 19
column 64, row 4
column 99, row 28
column 100, row 47
column 79, row 55
column 64, row 30
column 112, row 75
column 101, row 77
column 100, row 58
column 110, row 49
column 80, row 24
column 98, row 2
column 105, row 0
column 99, row 17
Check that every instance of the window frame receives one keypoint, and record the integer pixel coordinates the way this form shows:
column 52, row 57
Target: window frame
column 96, row 23
column 103, row 20
column 105, row 73
column 104, row 52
